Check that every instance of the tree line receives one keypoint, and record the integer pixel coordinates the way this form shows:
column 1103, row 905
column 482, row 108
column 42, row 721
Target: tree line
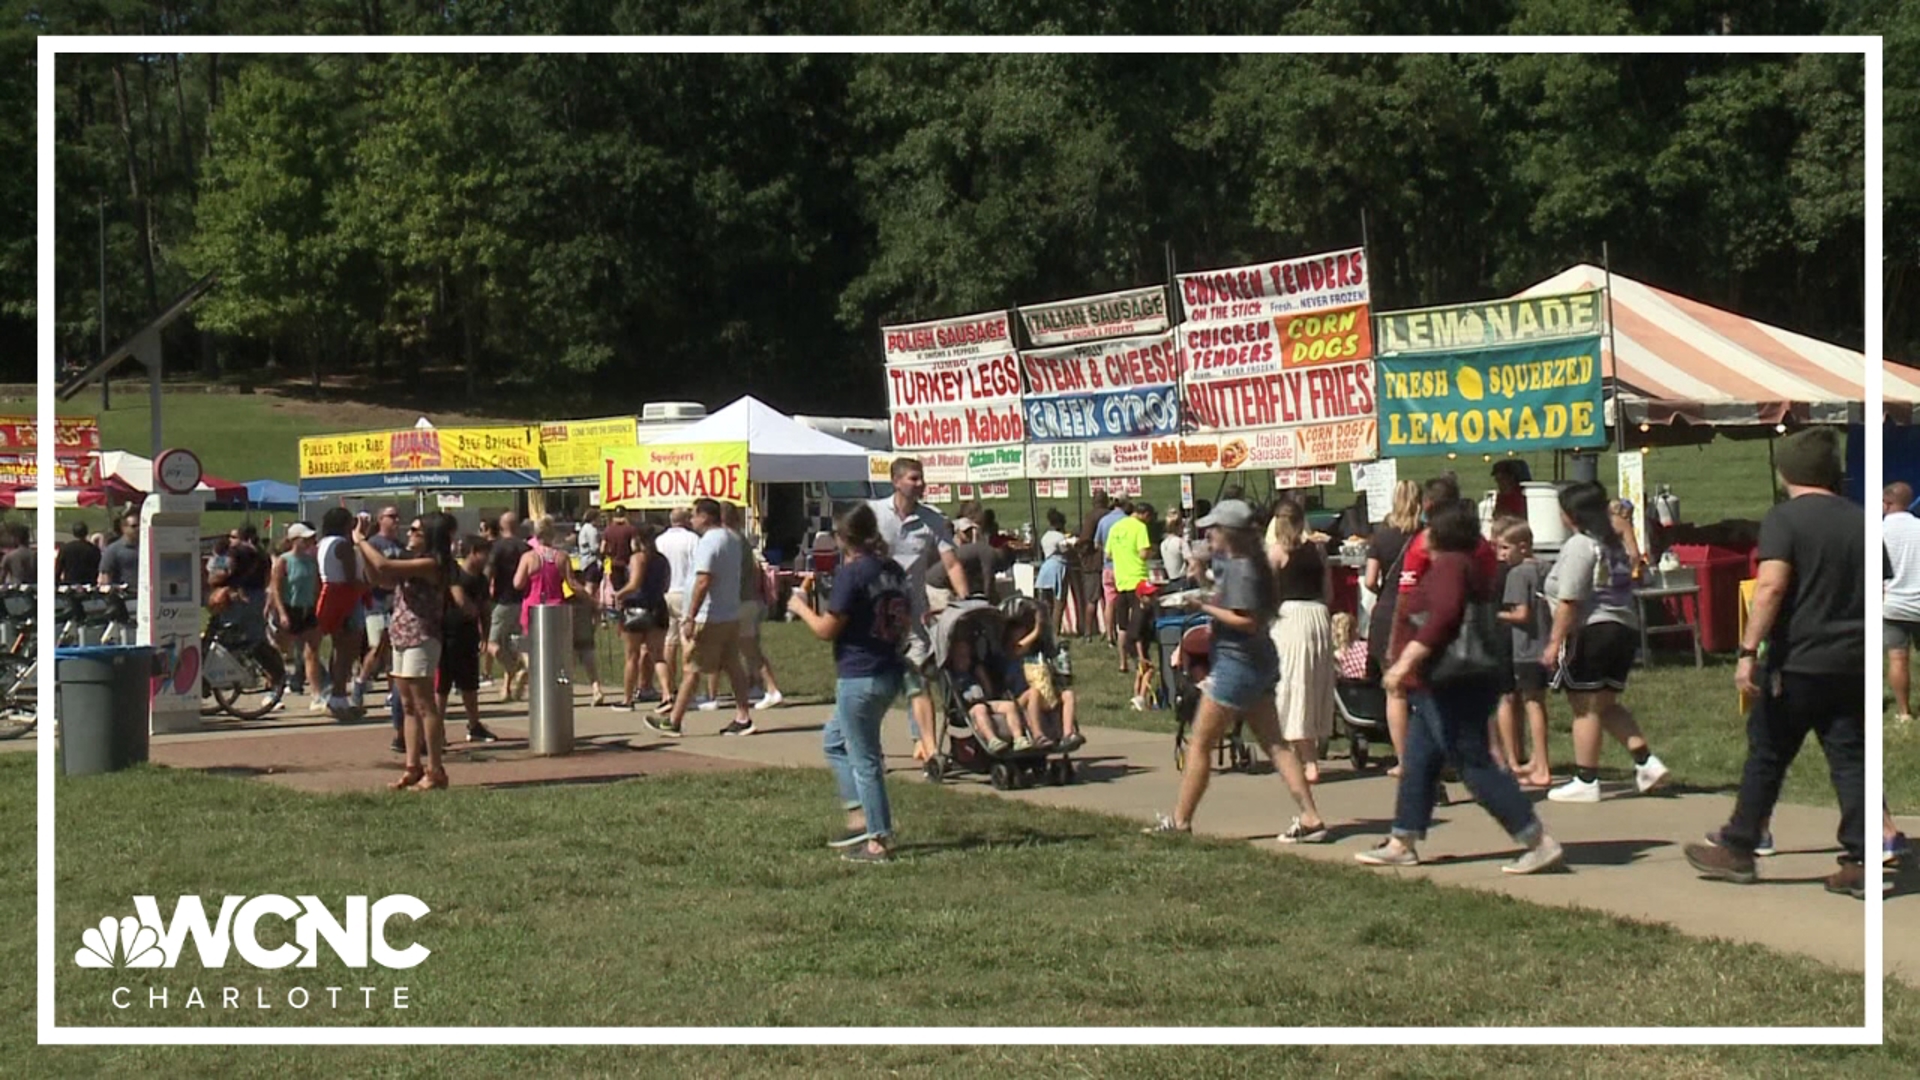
column 591, row 232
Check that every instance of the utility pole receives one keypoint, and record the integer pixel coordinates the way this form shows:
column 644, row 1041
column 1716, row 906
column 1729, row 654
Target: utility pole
column 106, row 395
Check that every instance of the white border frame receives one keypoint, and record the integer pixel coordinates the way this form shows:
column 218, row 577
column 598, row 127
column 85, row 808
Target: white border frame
column 49, row 1033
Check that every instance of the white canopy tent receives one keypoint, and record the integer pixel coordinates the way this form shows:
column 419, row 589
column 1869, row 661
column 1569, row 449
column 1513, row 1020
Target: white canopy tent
column 779, row 450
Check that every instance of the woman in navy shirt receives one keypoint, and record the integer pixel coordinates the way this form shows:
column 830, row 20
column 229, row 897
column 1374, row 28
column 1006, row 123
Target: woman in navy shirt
column 868, row 618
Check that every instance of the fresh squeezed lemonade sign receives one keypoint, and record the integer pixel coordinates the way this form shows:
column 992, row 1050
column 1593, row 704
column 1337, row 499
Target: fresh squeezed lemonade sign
column 663, row 476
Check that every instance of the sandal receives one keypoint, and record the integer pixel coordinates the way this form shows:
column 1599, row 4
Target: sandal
column 435, row 780
column 408, row 777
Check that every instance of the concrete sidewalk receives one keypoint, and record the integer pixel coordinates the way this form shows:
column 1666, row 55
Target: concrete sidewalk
column 1625, row 854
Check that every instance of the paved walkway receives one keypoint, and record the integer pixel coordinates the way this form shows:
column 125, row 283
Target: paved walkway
column 1625, row 853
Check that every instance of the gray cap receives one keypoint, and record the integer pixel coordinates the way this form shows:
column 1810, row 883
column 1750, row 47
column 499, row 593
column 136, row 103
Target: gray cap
column 1232, row 514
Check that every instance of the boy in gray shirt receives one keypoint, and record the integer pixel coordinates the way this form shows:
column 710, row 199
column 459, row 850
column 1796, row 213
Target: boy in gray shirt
column 1526, row 612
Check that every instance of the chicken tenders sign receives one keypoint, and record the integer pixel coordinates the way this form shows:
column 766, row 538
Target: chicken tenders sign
column 954, row 393
column 1278, row 365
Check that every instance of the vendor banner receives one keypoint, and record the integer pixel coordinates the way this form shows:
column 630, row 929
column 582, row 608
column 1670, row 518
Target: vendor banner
column 74, row 435
column 1524, row 397
column 953, row 384
column 1238, row 402
column 1313, row 283
column 1120, row 314
column 570, row 450
column 1120, row 389
column 1263, row 345
column 1303, row 447
column 664, row 476
column 1494, row 323
column 70, row 473
column 420, row 458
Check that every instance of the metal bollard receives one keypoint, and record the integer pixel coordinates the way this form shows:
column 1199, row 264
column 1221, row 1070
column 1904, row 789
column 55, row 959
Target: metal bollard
column 549, row 689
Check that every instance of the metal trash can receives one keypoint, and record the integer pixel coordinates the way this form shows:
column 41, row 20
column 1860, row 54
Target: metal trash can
column 101, row 718
column 549, row 688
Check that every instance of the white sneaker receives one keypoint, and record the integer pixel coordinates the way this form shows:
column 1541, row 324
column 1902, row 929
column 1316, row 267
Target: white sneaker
column 1649, row 776
column 1139, row 703
column 1546, row 856
column 770, row 701
column 1576, row 790
column 319, row 705
column 707, row 704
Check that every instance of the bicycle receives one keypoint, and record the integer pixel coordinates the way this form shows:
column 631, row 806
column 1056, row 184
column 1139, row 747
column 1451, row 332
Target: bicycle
column 240, row 668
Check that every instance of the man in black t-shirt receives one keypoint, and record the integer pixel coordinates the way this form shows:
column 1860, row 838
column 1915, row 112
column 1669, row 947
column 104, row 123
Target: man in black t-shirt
column 78, row 562
column 1809, row 610
column 504, row 626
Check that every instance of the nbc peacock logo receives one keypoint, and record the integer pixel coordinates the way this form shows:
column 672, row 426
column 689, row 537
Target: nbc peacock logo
column 120, row 943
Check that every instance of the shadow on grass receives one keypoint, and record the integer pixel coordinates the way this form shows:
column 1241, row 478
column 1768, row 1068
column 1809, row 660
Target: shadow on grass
column 1579, row 853
column 593, row 780
column 965, row 844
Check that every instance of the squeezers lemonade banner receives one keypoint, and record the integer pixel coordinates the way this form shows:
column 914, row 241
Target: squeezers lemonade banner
column 953, row 395
column 662, row 476
column 1542, row 396
column 495, row 457
column 570, row 450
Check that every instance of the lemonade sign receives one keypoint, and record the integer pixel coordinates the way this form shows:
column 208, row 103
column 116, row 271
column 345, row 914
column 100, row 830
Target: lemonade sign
column 1525, row 397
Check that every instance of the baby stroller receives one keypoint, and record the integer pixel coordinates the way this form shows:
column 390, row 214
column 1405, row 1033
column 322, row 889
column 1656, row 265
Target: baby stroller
column 983, row 627
column 1360, row 704
column 1192, row 657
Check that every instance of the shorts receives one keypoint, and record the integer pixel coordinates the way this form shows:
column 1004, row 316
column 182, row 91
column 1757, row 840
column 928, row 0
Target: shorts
column 300, row 621
column 418, row 662
column 713, row 645
column 338, row 603
column 1239, row 684
column 938, row 598
column 676, row 615
column 751, row 614
column 586, row 625
column 1529, row 677
column 617, row 576
column 1600, row 659
column 1901, row 635
column 1133, row 617
column 460, row 665
column 1107, row 588
column 504, row 627
column 376, row 628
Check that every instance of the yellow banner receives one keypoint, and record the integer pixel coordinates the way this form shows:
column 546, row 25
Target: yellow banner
column 422, row 450
column 571, row 449
column 665, row 476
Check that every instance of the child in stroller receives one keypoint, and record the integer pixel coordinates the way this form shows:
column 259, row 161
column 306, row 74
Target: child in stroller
column 986, row 699
column 1041, row 677
column 1360, row 702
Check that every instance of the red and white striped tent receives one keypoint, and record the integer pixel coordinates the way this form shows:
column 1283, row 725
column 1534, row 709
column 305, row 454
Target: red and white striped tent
column 1680, row 361
column 1901, row 390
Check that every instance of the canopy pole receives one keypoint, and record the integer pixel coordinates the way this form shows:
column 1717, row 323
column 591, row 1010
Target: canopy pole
column 1613, row 355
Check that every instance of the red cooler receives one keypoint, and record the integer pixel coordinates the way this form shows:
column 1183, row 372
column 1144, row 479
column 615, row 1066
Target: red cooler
column 1720, row 570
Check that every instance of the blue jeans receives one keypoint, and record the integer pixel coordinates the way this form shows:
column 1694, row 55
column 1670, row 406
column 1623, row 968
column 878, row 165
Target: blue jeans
column 852, row 744
column 1451, row 725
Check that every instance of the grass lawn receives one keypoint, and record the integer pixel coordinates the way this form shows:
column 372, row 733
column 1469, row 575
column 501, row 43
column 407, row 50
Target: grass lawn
column 708, row 899
column 1689, row 715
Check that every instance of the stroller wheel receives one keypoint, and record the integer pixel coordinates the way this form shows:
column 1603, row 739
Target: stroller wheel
column 1357, row 745
column 1067, row 772
column 936, row 768
column 1000, row 776
column 1242, row 758
column 1057, row 773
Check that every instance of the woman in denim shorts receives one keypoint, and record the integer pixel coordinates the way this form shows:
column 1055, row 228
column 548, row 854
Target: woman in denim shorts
column 1245, row 670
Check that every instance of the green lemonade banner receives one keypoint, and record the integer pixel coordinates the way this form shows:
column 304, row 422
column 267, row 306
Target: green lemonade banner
column 1542, row 396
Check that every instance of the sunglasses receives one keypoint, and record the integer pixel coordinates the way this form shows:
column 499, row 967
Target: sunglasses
column 413, row 528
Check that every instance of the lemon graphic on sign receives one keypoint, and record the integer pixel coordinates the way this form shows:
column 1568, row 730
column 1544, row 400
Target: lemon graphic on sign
column 1468, row 380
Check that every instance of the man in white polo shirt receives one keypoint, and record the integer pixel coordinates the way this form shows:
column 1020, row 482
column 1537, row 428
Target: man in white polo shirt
column 676, row 546
column 918, row 536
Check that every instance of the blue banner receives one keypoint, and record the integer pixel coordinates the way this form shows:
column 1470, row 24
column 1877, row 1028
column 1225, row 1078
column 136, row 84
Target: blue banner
column 1542, row 396
column 1136, row 413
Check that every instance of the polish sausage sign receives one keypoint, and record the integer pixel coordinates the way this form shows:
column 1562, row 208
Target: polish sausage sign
column 955, row 385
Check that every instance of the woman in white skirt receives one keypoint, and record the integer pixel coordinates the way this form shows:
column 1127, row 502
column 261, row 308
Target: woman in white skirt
column 1303, row 634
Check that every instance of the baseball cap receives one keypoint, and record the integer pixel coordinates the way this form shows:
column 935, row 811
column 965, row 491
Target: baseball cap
column 299, row 531
column 1231, row 514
